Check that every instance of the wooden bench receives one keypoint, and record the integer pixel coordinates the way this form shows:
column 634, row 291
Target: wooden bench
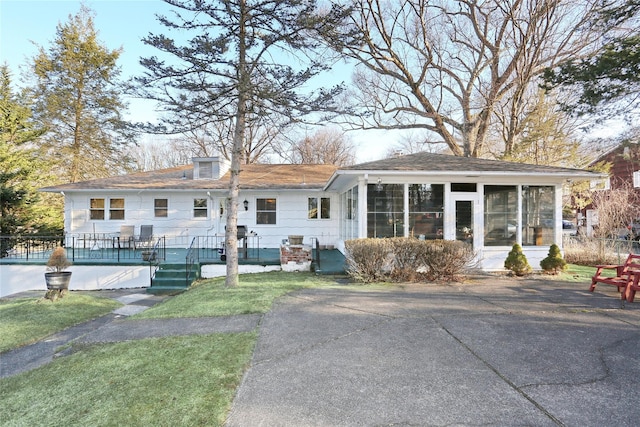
column 633, row 287
column 625, row 276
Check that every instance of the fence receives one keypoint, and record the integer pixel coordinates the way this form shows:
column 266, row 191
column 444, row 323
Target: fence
column 94, row 246
column 590, row 251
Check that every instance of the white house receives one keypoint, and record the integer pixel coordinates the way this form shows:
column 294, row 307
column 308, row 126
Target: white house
column 490, row 204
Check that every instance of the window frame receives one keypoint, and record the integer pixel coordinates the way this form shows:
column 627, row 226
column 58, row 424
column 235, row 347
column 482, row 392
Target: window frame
column 538, row 216
column 320, row 209
column 198, row 210
column 93, row 210
column 265, row 216
column 116, row 212
column 159, row 210
column 504, row 220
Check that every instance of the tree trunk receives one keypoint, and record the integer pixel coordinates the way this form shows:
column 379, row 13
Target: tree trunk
column 231, row 234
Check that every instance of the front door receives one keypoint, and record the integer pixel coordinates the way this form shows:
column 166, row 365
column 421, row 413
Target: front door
column 466, row 209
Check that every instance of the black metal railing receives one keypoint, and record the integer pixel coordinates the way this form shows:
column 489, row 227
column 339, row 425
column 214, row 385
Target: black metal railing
column 82, row 246
column 190, row 260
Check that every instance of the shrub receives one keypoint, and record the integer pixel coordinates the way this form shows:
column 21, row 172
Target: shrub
column 588, row 251
column 447, row 259
column 367, row 259
column 517, row 262
column 407, row 260
column 553, row 263
column 58, row 260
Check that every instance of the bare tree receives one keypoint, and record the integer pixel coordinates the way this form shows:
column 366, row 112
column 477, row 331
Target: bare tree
column 415, row 142
column 327, row 146
column 446, row 66
column 615, row 209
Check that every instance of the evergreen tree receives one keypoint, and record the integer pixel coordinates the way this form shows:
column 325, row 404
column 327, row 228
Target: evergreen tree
column 20, row 169
column 543, row 140
column 247, row 59
column 78, row 101
column 612, row 73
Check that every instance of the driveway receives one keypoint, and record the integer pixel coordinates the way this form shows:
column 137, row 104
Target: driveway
column 493, row 351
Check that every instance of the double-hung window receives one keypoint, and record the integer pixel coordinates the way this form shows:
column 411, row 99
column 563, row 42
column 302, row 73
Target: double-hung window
column 200, row 208
column 319, row 208
column 116, row 209
column 266, row 211
column 160, row 208
column 96, row 209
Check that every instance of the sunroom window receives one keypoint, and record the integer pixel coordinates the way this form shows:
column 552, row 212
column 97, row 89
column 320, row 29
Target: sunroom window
column 537, row 215
column 500, row 215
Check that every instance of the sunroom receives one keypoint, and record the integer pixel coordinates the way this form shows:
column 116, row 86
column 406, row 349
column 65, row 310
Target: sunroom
column 489, row 204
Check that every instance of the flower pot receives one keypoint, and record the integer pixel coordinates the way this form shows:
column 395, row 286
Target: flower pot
column 149, row 256
column 57, row 280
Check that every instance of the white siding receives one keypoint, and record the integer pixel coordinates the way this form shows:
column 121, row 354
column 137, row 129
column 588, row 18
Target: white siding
column 179, row 227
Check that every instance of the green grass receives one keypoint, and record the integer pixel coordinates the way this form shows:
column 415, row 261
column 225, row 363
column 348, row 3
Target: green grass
column 580, row 273
column 254, row 294
column 173, row 381
column 26, row 320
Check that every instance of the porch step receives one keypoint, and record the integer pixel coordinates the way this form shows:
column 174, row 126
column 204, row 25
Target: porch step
column 171, row 278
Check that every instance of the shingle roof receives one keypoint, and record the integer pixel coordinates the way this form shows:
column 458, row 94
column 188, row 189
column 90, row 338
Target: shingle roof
column 254, row 176
column 446, row 163
column 286, row 176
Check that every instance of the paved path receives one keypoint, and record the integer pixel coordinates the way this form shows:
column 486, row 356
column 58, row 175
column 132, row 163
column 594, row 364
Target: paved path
column 494, row 352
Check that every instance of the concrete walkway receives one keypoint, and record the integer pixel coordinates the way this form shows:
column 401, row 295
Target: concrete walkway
column 492, row 352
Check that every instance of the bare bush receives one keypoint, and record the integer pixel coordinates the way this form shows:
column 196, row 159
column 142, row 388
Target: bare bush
column 447, row 259
column 367, row 259
column 594, row 251
column 407, row 259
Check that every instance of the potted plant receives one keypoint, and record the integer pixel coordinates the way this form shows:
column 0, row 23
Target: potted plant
column 56, row 277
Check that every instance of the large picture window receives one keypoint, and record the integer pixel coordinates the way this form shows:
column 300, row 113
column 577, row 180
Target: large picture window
column 500, row 215
column 385, row 210
column 116, row 209
column 537, row 215
column 319, row 208
column 96, row 209
column 426, row 211
column 200, row 208
column 266, row 211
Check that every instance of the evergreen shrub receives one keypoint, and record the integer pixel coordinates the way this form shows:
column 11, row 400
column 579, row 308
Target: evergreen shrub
column 517, row 262
column 553, row 263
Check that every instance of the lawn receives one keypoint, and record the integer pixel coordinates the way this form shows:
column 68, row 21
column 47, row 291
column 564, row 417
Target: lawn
column 580, row 273
column 254, row 294
column 153, row 382
column 26, row 320
column 175, row 381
